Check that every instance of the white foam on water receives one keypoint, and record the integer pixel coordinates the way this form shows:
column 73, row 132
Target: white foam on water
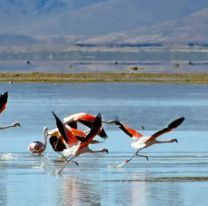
column 118, row 165
column 8, row 156
column 49, row 166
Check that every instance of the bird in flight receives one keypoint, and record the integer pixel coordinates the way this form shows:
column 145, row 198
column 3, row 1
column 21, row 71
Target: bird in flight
column 140, row 142
column 59, row 142
column 83, row 145
column 85, row 119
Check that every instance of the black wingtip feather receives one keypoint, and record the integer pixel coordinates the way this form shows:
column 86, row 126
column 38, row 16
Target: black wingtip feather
column 4, row 98
column 60, row 126
column 103, row 134
column 176, row 123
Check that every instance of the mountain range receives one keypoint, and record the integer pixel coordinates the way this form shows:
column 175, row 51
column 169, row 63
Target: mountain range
column 103, row 22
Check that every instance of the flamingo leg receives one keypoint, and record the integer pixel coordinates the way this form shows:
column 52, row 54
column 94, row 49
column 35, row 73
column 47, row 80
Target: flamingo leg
column 136, row 154
column 70, row 160
column 139, row 155
column 75, row 162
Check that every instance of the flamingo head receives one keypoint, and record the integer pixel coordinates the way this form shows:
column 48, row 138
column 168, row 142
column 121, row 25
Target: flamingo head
column 105, row 150
column 16, row 124
column 174, row 140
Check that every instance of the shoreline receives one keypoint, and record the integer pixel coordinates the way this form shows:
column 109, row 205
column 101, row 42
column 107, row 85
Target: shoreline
column 104, row 77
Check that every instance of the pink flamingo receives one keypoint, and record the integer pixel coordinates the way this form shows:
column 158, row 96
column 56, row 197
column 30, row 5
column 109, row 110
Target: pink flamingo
column 59, row 143
column 38, row 147
column 85, row 119
column 142, row 142
column 82, row 146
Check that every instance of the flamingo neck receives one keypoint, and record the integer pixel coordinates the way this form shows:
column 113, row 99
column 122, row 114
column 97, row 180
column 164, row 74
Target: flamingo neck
column 165, row 141
column 5, row 127
column 45, row 142
column 97, row 151
column 88, row 150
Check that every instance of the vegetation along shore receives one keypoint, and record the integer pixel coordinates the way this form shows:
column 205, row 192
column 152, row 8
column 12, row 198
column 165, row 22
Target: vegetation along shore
column 105, row 77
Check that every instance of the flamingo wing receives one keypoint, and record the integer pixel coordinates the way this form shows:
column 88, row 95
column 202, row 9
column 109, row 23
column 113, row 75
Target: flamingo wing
column 3, row 101
column 95, row 129
column 77, row 133
column 85, row 119
column 57, row 143
column 174, row 124
column 62, row 129
column 128, row 130
column 72, row 124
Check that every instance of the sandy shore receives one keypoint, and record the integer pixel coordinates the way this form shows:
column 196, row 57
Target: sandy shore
column 105, row 77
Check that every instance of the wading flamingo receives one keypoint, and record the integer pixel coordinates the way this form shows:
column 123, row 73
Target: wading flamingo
column 142, row 142
column 85, row 119
column 82, row 146
column 38, row 147
column 3, row 104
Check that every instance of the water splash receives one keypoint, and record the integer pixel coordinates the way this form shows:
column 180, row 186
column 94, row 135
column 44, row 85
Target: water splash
column 49, row 166
column 8, row 156
column 118, row 165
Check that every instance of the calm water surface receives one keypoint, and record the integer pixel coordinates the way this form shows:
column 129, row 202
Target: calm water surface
column 176, row 174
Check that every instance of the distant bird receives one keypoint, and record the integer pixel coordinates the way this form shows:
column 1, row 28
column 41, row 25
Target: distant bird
column 142, row 142
column 85, row 119
column 28, row 62
column 143, row 127
column 38, row 147
column 82, row 146
column 3, row 104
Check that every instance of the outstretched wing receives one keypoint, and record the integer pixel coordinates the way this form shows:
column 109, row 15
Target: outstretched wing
column 69, row 134
column 95, row 129
column 62, row 129
column 169, row 128
column 85, row 119
column 3, row 101
column 128, row 130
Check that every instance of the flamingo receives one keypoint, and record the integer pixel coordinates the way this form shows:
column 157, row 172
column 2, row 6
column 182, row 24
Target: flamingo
column 38, row 147
column 59, row 143
column 142, row 142
column 3, row 104
column 82, row 146
column 84, row 118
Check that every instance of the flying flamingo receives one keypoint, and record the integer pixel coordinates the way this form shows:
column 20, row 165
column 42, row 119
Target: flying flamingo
column 38, row 147
column 59, row 143
column 142, row 142
column 85, row 119
column 3, row 104
column 82, row 146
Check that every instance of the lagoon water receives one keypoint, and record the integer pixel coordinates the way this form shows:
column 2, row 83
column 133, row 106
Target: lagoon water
column 176, row 174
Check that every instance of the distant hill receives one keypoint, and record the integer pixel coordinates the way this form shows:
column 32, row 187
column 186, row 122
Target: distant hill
column 103, row 21
column 191, row 30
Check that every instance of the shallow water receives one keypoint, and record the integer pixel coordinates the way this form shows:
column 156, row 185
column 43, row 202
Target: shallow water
column 176, row 174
